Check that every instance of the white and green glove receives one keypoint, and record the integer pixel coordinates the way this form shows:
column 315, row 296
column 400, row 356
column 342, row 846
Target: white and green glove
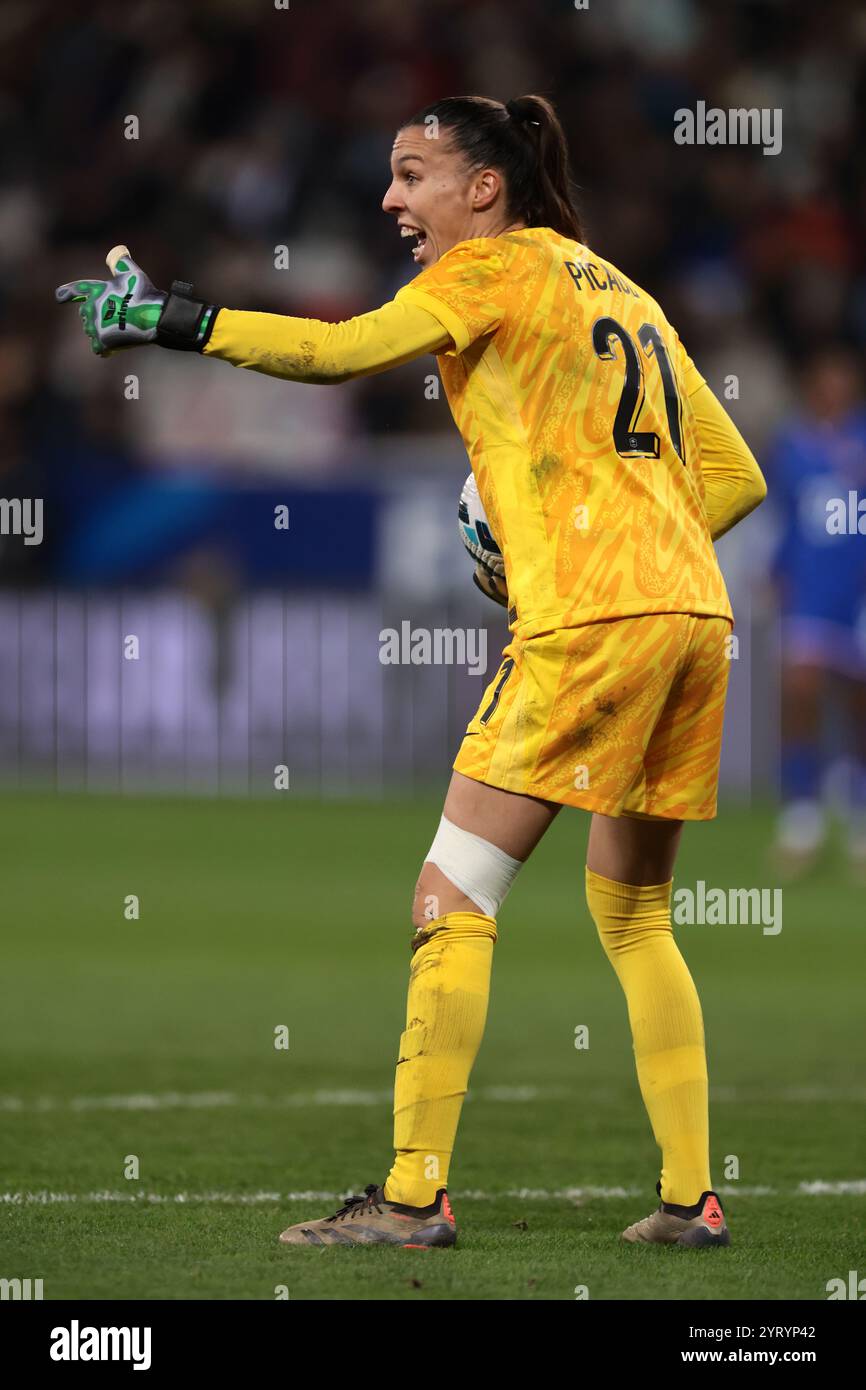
column 129, row 311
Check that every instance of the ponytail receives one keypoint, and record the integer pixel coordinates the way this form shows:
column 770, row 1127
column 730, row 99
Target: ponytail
column 524, row 141
column 553, row 204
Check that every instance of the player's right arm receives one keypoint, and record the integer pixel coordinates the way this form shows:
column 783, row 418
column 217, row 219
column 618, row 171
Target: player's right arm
column 323, row 353
column 733, row 483
column 129, row 311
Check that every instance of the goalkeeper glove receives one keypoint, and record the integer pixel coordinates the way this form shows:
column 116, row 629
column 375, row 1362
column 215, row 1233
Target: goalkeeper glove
column 493, row 585
column 127, row 310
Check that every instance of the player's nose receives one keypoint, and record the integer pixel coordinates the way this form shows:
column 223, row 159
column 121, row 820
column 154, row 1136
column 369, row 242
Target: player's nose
column 391, row 202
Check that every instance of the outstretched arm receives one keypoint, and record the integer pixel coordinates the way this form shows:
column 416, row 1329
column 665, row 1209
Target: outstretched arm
column 129, row 311
column 314, row 351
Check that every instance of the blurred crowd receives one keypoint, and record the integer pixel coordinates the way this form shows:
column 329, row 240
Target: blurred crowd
column 244, row 145
column 260, row 125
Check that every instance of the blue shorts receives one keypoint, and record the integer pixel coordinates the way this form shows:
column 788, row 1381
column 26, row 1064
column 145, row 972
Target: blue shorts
column 809, row 640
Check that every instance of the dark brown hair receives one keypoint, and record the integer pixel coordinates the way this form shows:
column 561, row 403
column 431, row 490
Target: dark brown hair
column 525, row 142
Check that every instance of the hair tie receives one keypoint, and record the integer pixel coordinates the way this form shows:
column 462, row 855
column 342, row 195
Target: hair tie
column 517, row 115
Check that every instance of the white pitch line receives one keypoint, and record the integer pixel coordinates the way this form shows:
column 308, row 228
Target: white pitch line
column 526, row 1194
column 219, row 1100
column 304, row 1100
column 833, row 1189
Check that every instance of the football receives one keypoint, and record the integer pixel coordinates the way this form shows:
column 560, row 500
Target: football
column 475, row 530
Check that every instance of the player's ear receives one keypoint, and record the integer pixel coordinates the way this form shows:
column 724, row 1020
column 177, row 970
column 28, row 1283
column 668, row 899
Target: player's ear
column 487, row 185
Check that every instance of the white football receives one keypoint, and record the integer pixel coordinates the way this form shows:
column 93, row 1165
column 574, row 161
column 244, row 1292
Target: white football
column 475, row 530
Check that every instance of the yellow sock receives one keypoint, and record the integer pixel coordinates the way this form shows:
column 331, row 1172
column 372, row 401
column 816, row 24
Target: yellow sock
column 634, row 924
column 449, row 986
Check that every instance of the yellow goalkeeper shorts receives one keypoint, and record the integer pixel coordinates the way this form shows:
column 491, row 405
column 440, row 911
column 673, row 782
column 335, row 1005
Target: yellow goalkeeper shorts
column 622, row 717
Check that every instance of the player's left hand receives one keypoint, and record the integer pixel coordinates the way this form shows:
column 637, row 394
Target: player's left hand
column 493, row 585
column 118, row 313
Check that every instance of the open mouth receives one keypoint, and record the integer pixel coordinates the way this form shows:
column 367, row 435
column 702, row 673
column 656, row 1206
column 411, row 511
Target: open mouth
column 406, row 230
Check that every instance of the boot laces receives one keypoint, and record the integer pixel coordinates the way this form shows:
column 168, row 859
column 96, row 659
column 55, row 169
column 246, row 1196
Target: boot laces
column 356, row 1204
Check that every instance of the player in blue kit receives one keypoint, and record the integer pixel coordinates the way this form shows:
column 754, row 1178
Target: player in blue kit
column 818, row 471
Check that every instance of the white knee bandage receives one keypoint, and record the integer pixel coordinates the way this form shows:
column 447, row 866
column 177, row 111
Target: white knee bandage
column 479, row 869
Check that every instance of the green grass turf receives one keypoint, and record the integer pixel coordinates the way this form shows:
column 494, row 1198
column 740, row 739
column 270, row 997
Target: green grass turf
column 256, row 914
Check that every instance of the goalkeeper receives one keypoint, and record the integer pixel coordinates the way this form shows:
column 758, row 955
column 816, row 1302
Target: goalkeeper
column 607, row 468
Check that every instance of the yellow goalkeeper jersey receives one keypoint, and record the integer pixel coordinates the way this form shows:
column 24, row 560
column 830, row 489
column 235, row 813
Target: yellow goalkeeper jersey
column 572, row 393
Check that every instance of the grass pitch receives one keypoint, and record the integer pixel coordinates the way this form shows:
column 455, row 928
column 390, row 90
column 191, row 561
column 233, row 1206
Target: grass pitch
column 154, row 1039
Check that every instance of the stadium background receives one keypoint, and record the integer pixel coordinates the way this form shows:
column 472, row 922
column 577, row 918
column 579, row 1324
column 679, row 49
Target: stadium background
column 261, row 128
